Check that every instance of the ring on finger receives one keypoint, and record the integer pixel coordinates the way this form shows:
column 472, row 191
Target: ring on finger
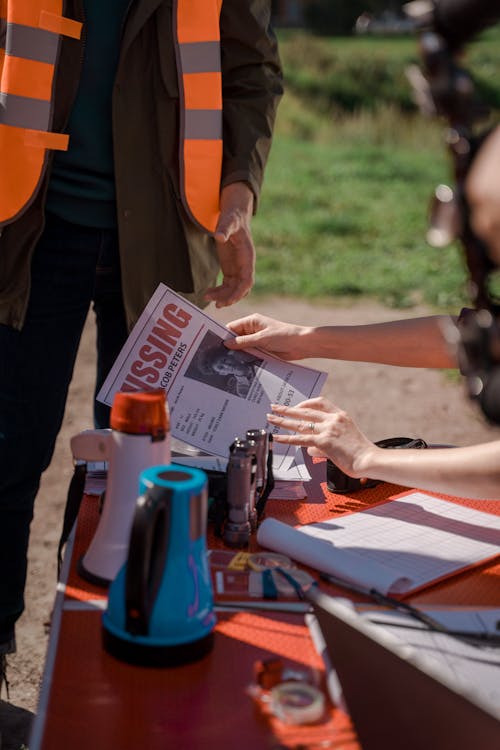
column 311, row 426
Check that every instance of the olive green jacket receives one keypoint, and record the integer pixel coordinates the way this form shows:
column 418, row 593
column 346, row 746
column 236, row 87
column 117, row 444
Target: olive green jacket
column 157, row 241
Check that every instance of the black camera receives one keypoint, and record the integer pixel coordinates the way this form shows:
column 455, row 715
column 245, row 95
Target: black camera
column 339, row 482
column 457, row 21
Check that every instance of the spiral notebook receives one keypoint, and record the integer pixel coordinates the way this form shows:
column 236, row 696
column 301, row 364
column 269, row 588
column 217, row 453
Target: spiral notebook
column 396, row 547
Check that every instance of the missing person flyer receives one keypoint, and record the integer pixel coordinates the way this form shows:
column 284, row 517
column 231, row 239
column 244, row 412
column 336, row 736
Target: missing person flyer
column 214, row 394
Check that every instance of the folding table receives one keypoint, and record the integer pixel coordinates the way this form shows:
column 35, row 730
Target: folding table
column 91, row 701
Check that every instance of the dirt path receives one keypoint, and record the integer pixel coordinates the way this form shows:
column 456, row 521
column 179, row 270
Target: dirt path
column 385, row 401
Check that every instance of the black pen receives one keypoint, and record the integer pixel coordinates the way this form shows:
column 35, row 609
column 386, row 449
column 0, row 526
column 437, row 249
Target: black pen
column 388, row 601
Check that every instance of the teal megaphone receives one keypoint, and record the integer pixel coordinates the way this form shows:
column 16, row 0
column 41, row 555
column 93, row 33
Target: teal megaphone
column 160, row 606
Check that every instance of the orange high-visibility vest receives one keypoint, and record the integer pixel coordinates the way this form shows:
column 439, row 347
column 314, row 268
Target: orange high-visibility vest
column 200, row 84
column 30, row 32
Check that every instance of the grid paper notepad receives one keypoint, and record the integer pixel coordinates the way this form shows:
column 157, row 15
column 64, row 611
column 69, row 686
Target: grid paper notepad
column 395, row 547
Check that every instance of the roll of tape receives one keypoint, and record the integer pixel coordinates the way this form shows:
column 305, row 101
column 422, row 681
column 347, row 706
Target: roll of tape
column 263, row 560
column 297, row 702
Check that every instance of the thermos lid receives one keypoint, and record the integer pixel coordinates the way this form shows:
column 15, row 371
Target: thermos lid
column 140, row 412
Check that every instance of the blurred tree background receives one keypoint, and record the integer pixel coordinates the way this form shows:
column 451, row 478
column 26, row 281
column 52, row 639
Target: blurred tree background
column 332, row 17
column 329, row 17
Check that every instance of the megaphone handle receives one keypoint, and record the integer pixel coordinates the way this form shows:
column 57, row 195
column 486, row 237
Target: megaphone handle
column 73, row 501
column 149, row 539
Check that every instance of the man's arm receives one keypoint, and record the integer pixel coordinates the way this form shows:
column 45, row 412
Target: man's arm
column 252, row 85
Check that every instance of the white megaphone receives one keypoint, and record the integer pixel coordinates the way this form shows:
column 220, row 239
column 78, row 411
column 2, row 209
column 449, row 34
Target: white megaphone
column 139, row 438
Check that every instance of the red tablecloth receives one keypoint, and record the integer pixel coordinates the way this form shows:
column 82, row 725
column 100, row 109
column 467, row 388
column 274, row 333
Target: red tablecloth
column 91, row 701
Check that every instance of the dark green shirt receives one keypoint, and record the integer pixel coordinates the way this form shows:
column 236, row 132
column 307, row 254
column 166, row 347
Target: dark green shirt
column 82, row 185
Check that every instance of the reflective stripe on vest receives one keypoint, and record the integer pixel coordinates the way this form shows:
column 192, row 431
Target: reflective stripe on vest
column 30, row 32
column 200, row 84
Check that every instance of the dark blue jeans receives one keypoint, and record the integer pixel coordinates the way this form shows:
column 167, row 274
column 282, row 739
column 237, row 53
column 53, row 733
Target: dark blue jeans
column 72, row 266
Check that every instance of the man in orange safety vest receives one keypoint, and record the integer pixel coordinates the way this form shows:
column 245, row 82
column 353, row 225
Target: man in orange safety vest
column 133, row 140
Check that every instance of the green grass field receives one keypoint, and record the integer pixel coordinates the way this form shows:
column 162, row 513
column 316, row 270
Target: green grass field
column 352, row 169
